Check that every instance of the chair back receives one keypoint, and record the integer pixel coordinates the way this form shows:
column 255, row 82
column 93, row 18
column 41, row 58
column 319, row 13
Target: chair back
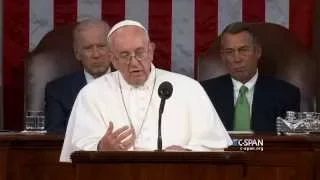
column 52, row 58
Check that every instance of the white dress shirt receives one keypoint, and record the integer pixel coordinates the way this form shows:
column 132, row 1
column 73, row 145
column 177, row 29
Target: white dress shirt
column 189, row 119
column 89, row 77
column 250, row 85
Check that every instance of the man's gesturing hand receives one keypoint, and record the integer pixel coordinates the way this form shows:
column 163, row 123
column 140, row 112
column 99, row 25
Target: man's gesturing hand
column 117, row 140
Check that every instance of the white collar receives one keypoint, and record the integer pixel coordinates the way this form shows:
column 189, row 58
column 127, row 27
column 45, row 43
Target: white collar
column 89, row 77
column 249, row 84
column 146, row 86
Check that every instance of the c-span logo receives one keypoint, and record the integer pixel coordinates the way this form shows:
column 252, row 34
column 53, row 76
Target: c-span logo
column 248, row 144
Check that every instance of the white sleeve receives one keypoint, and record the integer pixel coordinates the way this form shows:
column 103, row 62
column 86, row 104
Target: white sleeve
column 207, row 130
column 86, row 125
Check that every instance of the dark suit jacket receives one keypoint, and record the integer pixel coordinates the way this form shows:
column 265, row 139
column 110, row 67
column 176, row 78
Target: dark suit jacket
column 271, row 98
column 60, row 95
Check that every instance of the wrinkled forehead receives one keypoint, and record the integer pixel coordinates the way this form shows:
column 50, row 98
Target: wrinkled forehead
column 240, row 38
column 128, row 36
column 130, row 31
column 126, row 23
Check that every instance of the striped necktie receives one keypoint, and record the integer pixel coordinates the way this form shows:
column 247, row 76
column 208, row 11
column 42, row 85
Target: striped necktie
column 242, row 111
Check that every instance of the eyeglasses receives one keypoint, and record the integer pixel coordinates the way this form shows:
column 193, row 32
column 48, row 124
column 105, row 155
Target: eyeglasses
column 139, row 55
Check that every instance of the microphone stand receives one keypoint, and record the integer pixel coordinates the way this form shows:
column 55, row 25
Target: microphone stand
column 164, row 92
column 159, row 142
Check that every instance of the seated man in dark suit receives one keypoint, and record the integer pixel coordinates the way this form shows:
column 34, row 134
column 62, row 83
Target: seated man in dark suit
column 245, row 99
column 90, row 48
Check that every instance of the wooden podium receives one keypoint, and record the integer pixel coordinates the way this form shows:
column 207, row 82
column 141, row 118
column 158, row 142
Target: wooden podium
column 159, row 165
column 36, row 157
column 294, row 157
column 32, row 157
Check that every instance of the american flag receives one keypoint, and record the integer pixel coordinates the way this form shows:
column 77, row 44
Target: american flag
column 181, row 29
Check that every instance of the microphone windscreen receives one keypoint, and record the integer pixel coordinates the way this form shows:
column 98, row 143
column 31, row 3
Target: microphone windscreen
column 165, row 90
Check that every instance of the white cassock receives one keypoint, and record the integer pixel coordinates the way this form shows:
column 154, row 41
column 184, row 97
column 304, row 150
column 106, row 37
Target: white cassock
column 189, row 119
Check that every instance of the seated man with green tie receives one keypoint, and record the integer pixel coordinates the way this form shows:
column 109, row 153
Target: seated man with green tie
column 245, row 99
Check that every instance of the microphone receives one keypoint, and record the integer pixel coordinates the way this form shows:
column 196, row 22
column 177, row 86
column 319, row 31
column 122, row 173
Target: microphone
column 164, row 92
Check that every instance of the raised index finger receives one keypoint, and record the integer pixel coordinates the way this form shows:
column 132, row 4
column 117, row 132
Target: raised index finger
column 110, row 128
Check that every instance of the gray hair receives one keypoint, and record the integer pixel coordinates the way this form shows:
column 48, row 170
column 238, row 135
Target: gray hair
column 238, row 27
column 85, row 24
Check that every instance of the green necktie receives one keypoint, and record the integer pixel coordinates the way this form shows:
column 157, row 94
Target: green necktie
column 242, row 111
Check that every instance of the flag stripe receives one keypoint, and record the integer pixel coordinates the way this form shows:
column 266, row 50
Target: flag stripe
column 88, row 9
column 206, row 26
column 41, row 20
column 65, row 12
column 278, row 12
column 301, row 15
column 138, row 10
column 160, row 27
column 229, row 11
column 113, row 11
column 253, row 10
column 15, row 49
column 182, row 42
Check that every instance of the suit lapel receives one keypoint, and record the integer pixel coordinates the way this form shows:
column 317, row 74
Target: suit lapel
column 82, row 80
column 78, row 83
column 259, row 98
column 228, row 106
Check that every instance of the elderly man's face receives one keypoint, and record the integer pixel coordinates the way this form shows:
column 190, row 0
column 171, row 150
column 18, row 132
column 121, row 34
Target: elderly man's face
column 133, row 54
column 241, row 55
column 92, row 51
